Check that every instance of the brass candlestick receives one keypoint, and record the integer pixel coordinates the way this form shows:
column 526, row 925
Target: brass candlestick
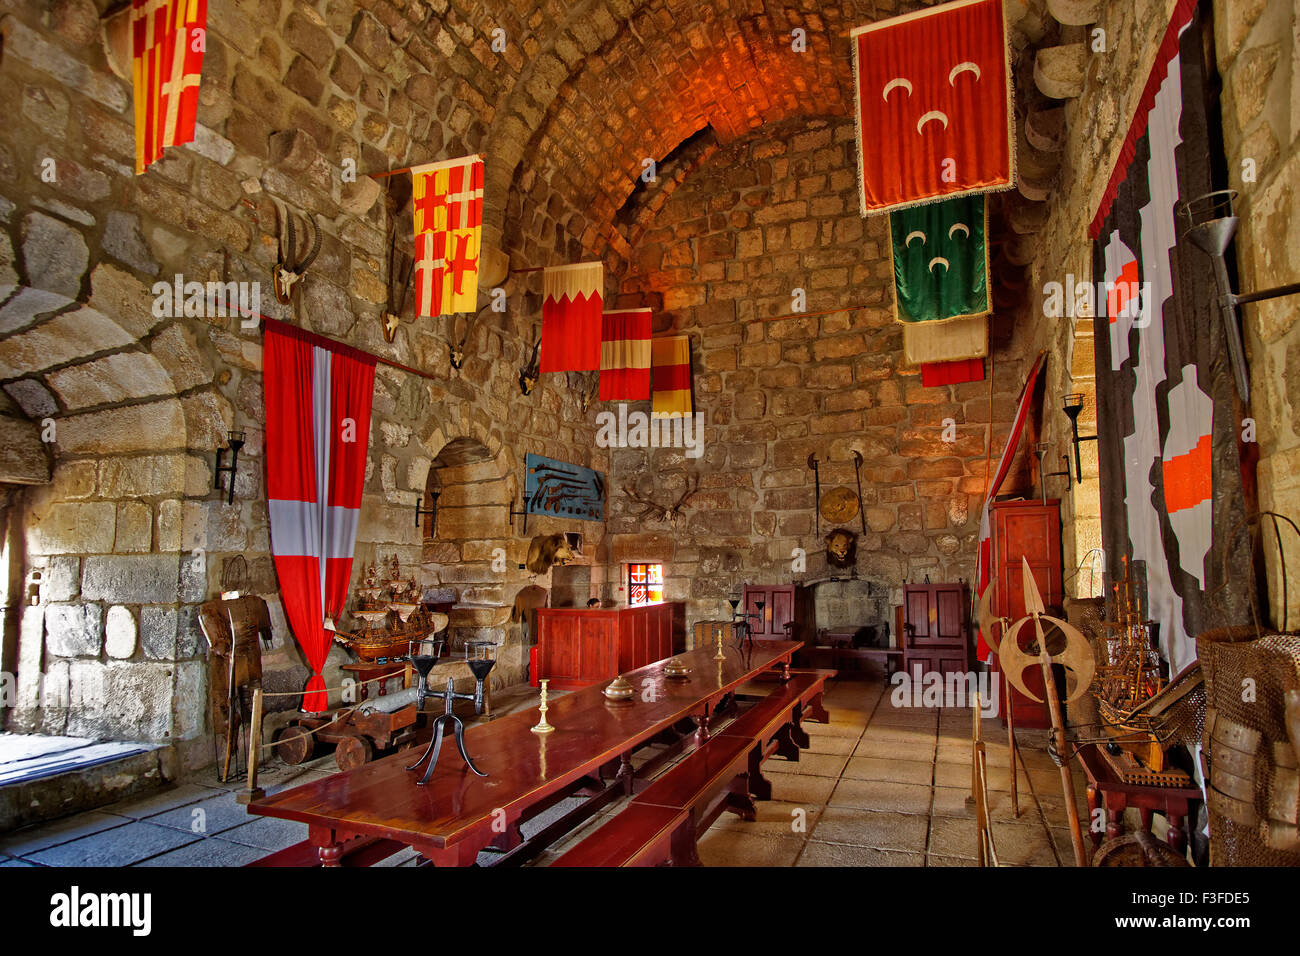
column 542, row 727
column 717, row 633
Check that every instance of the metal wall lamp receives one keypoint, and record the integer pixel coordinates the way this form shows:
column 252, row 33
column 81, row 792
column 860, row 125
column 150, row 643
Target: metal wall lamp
column 1040, row 450
column 234, row 441
column 421, row 512
column 1072, row 407
column 1212, row 234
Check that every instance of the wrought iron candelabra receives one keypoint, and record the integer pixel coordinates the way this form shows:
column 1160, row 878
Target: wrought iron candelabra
column 423, row 664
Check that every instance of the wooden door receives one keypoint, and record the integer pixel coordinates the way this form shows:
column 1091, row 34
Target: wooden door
column 1031, row 530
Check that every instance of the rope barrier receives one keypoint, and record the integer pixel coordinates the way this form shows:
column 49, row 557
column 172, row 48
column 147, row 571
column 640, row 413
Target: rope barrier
column 326, row 690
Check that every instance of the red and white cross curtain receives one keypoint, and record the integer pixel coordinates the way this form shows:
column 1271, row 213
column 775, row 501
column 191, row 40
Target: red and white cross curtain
column 318, row 398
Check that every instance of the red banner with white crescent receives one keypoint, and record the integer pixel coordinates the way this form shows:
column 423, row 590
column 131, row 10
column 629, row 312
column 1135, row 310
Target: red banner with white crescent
column 934, row 116
column 318, row 400
column 168, row 40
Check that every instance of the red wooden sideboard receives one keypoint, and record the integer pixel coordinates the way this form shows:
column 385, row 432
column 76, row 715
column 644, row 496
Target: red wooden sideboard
column 577, row 647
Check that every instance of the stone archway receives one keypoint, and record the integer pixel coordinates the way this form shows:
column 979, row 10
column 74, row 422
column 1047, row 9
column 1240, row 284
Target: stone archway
column 125, row 401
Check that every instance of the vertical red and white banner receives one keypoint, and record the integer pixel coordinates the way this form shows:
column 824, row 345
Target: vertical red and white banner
column 625, row 355
column 984, row 563
column 168, row 40
column 571, row 317
column 318, row 399
column 447, row 203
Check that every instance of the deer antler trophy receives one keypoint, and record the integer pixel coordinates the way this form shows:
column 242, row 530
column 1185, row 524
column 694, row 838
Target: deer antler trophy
column 653, row 511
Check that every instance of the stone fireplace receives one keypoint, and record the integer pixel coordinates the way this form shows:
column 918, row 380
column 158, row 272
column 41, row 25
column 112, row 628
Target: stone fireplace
column 853, row 603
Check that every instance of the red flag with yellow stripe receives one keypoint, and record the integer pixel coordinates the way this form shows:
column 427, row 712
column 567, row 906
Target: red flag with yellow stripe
column 670, row 357
column 168, row 39
column 447, row 199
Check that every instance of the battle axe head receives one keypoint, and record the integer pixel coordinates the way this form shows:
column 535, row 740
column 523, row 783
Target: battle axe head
column 1076, row 657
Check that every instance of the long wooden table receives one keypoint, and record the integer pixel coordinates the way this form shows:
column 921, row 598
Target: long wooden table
column 458, row 814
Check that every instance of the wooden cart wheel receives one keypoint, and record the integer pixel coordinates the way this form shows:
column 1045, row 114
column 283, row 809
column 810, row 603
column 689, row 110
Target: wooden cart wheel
column 353, row 752
column 295, row 745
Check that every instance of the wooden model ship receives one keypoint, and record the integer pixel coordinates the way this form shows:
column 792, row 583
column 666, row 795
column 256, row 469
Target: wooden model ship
column 391, row 615
column 1130, row 679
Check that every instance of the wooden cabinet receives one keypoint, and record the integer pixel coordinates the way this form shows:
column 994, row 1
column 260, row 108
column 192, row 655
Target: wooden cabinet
column 1029, row 530
column 578, row 647
column 936, row 636
column 782, row 604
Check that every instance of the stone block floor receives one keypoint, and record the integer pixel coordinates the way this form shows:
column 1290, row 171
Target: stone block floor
column 879, row 786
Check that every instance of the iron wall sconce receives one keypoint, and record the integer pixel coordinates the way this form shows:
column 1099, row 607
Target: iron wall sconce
column 235, row 441
column 1040, row 451
column 1211, row 224
column 421, row 512
column 1073, row 407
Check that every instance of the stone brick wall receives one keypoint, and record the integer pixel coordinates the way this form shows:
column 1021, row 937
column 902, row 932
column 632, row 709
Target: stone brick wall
column 129, row 535
column 1259, row 61
column 1260, row 115
column 758, row 218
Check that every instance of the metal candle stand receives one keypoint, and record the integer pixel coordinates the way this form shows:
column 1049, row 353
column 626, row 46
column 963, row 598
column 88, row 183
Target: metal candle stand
column 740, row 621
column 423, row 664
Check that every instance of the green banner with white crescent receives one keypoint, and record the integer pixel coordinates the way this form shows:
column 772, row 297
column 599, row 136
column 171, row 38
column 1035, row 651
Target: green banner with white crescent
column 940, row 260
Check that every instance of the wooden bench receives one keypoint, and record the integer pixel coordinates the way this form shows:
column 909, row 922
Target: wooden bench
column 663, row 822
column 773, row 724
column 637, row 836
column 361, row 852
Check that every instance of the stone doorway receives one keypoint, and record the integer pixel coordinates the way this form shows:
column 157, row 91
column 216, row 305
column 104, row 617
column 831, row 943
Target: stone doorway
column 466, row 550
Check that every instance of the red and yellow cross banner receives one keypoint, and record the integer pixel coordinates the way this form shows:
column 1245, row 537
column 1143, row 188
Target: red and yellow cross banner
column 447, row 198
column 168, row 38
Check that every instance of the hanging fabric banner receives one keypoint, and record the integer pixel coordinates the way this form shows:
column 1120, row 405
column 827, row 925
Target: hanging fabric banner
column 168, row 39
column 940, row 261
column 933, row 105
column 447, row 201
column 671, row 356
column 571, row 317
column 1168, row 448
column 318, row 398
column 934, row 374
column 953, row 341
column 984, row 561
column 625, row 355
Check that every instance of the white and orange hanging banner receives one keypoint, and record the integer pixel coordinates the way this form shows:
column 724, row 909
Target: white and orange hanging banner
column 168, row 39
column 447, row 200
column 572, row 304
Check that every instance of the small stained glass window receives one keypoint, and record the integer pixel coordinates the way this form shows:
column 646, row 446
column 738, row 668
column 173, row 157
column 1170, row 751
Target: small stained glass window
column 645, row 584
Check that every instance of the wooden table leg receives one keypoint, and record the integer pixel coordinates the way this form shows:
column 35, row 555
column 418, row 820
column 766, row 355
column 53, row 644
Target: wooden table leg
column 701, row 728
column 1177, row 812
column 1115, row 805
column 1146, row 814
column 1094, row 804
column 329, row 846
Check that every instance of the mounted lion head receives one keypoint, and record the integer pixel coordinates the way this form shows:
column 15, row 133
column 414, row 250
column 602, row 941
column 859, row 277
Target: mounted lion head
column 841, row 548
column 547, row 550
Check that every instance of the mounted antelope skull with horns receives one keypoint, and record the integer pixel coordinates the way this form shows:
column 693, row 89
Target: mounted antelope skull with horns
column 529, row 374
column 292, row 265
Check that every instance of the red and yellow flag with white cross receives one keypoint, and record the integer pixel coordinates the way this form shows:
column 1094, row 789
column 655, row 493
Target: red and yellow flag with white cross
column 447, row 198
column 168, row 39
